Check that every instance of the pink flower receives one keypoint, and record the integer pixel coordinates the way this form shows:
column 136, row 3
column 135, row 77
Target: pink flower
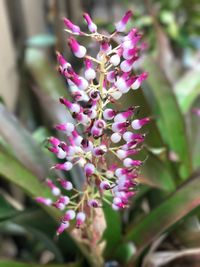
column 77, row 49
column 80, row 218
column 74, row 28
column 90, row 73
column 121, row 25
column 98, row 129
column 63, row 226
column 91, row 25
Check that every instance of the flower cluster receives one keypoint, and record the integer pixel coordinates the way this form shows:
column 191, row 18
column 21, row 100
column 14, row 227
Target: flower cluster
column 107, row 133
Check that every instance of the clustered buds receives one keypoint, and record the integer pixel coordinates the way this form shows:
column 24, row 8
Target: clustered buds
column 109, row 141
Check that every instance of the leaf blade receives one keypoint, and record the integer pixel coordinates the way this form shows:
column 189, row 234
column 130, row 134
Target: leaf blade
column 168, row 116
column 177, row 206
column 9, row 263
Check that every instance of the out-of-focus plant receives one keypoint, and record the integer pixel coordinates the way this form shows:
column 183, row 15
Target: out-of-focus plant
column 164, row 215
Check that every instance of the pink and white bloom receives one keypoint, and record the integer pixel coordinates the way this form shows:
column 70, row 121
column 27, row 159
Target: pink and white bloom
column 128, row 162
column 138, row 124
column 111, row 76
column 68, row 127
column 67, row 185
column 109, row 114
column 80, row 218
column 121, row 25
column 90, row 73
column 72, row 27
column 63, row 226
column 105, row 47
column 91, row 25
column 123, row 116
column 127, row 64
column 69, row 215
column 93, row 203
column 73, row 107
column 77, row 49
column 89, row 169
column 45, row 201
column 138, row 81
column 116, row 137
column 104, row 185
column 54, row 189
column 67, row 166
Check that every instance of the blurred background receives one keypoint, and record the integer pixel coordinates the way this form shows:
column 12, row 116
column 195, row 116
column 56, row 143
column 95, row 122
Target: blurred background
column 161, row 228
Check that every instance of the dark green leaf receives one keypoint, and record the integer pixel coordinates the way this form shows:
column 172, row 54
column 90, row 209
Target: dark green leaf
column 178, row 205
column 8, row 263
column 193, row 127
column 113, row 233
column 168, row 115
column 6, row 210
column 155, row 173
column 13, row 171
column 22, row 144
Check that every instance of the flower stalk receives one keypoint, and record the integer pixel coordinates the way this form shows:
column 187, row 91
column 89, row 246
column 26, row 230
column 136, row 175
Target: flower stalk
column 106, row 130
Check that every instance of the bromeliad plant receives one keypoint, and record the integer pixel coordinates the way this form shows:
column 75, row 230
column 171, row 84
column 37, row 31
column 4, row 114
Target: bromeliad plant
column 105, row 130
column 173, row 158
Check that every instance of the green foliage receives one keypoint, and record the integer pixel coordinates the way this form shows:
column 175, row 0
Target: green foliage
column 178, row 205
column 4, row 263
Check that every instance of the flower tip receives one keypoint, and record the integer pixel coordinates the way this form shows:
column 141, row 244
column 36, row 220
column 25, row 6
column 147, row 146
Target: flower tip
column 129, row 13
column 61, row 99
column 144, row 75
column 85, row 14
column 65, row 20
column 57, row 53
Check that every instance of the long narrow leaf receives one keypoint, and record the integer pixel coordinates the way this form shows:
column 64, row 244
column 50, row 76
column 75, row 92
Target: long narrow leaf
column 168, row 115
column 8, row 263
column 187, row 89
column 24, row 147
column 178, row 205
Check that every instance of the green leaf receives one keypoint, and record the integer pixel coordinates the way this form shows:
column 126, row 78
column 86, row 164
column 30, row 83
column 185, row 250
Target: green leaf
column 193, row 126
column 13, row 171
column 113, row 233
column 49, row 86
column 173, row 209
column 33, row 234
column 155, row 173
column 6, row 210
column 29, row 222
column 8, row 263
column 187, row 89
column 23, row 146
column 44, row 73
column 168, row 115
column 124, row 252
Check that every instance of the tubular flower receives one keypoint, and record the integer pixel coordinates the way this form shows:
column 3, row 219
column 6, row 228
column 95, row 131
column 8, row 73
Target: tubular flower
column 107, row 132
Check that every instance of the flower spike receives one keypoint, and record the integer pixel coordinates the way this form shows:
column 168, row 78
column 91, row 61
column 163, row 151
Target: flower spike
column 106, row 131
